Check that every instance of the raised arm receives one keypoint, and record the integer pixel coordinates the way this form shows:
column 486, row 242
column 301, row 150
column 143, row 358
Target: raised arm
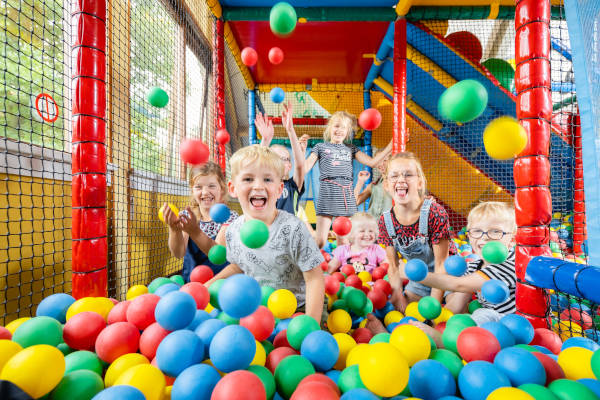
column 310, row 162
column 265, row 128
column 288, row 123
column 373, row 161
column 363, row 176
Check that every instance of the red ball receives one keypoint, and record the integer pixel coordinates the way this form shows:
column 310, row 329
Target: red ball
column 151, row 338
column 275, row 55
column 369, row 119
column 324, row 265
column 5, row 333
column 276, row 355
column 260, row 323
column 319, row 378
column 339, row 276
column 281, row 340
column 199, row 292
column 475, row 343
column 315, row 390
column 81, row 330
column 239, row 385
column 377, row 297
column 378, row 273
column 249, row 56
column 326, row 255
column 384, row 286
column 222, row 136
column 348, row 270
column 342, row 226
column 362, row 335
column 365, row 289
column 141, row 310
column 117, row 339
column 201, row 273
column 354, row 281
column 385, row 266
column 466, row 43
column 553, row 370
column 194, row 151
column 578, row 316
column 118, row 313
column 548, row 339
column 332, row 285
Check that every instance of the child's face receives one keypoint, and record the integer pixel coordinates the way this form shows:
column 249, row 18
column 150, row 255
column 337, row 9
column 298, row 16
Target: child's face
column 340, row 128
column 285, row 157
column 207, row 191
column 495, row 227
column 363, row 234
column 403, row 182
column 257, row 188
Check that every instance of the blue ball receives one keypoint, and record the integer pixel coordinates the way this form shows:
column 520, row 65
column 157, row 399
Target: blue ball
column 334, row 374
column 199, row 318
column 277, row 95
column 55, row 306
column 232, row 348
column 392, row 326
column 321, row 349
column 166, row 288
column 416, row 269
column 282, row 325
column 520, row 366
column 219, row 213
column 449, row 398
column 580, row 342
column 520, row 327
column 478, row 379
column 592, row 384
column 495, row 291
column 175, row 310
column 501, row 332
column 455, row 265
column 358, row 394
column 206, row 331
column 542, row 349
column 592, row 334
column 179, row 350
column 406, row 320
column 195, row 383
column 563, row 233
column 121, row 392
column 381, row 313
column 430, row 379
column 240, row 296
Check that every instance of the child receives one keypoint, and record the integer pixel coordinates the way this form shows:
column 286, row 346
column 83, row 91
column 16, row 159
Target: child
column 380, row 199
column 293, row 188
column 416, row 227
column 208, row 188
column 290, row 259
column 336, row 197
column 363, row 253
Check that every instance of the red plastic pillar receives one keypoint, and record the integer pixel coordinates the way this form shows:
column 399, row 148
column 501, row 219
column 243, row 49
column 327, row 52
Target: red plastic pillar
column 533, row 204
column 219, row 79
column 89, row 245
column 400, row 137
column 579, row 230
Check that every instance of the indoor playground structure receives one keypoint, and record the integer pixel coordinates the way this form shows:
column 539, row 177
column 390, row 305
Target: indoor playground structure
column 107, row 105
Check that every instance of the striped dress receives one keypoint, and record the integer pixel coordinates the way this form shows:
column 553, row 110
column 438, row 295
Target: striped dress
column 336, row 192
column 504, row 272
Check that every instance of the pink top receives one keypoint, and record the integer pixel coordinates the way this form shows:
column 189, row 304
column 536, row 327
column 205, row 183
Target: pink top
column 365, row 260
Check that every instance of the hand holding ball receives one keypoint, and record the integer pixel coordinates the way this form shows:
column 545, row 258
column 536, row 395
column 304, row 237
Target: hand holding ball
column 416, row 269
column 194, row 151
column 162, row 209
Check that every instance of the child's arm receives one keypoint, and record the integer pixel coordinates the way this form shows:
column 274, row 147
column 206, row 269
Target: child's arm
column 334, row 265
column 466, row 284
column 310, row 162
column 265, row 128
column 362, row 197
column 398, row 299
column 288, row 123
column 315, row 292
column 363, row 176
column 177, row 238
column 373, row 161
column 189, row 224
column 440, row 252
column 231, row 269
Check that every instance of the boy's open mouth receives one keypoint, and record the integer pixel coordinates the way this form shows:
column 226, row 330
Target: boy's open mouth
column 258, row 202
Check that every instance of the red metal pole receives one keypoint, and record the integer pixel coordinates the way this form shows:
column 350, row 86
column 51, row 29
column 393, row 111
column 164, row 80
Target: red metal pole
column 579, row 230
column 89, row 244
column 400, row 137
column 219, row 74
column 533, row 204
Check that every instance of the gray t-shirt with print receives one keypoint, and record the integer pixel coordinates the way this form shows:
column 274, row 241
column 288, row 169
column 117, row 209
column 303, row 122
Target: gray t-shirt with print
column 289, row 251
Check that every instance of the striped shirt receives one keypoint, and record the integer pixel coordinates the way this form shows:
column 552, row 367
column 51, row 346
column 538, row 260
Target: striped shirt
column 504, row 272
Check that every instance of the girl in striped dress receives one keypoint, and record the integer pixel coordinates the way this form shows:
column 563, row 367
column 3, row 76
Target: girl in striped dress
column 335, row 155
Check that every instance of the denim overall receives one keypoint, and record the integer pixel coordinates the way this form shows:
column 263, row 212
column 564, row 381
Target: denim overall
column 411, row 247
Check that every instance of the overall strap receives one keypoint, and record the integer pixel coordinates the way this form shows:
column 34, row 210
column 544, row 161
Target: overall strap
column 424, row 217
column 389, row 224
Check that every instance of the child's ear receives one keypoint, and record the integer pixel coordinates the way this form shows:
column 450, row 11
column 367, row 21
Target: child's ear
column 280, row 190
column 231, row 189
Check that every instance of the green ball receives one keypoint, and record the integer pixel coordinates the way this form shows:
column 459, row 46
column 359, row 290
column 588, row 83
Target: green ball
column 346, row 291
column 229, row 320
column 566, row 389
column 527, row 347
column 432, row 343
column 282, row 19
column 450, row 336
column 266, row 292
column 341, row 290
column 65, row 349
column 464, row 320
column 340, row 304
column 299, row 327
column 81, row 384
column 350, row 379
column 464, row 101
column 596, row 364
column 254, row 233
column 382, row 337
column 502, row 71
column 157, row 97
column 268, row 346
column 83, row 359
column 156, row 283
column 449, row 359
column 367, row 309
column 39, row 330
column 538, row 392
column 266, row 377
column 213, row 290
column 178, row 279
column 217, row 254
column 429, row 307
column 289, row 372
column 356, row 300
column 474, row 305
column 494, row 252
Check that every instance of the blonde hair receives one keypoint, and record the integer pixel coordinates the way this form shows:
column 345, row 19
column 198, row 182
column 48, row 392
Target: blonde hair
column 258, row 155
column 363, row 218
column 340, row 115
column 407, row 155
column 208, row 169
column 493, row 209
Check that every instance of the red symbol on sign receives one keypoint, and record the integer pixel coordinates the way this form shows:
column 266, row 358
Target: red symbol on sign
column 46, row 107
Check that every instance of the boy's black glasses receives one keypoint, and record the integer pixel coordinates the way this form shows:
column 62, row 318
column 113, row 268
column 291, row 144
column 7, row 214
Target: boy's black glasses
column 492, row 234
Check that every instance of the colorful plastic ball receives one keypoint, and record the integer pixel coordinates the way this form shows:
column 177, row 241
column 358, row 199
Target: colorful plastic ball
column 282, row 303
column 8, row 348
column 321, row 349
column 466, row 43
column 193, row 151
column 430, row 379
column 356, row 300
column 308, row 387
column 36, row 370
column 339, row 321
column 290, row 371
column 475, row 343
column 583, row 342
column 449, row 359
column 429, row 307
column 502, row 71
column 509, row 393
column 378, row 298
column 392, row 316
column 55, row 306
column 350, row 379
column 242, row 385
column 358, row 394
column 157, row 97
column 538, row 392
column 276, row 55
column 362, row 335
column 249, row 56
column 101, row 305
column 478, row 379
column 122, row 364
column 117, row 339
column 80, row 384
column 576, row 362
column 118, row 313
column 369, row 119
column 217, row 254
column 195, row 382
column 345, row 344
column 80, row 332
column 161, row 217
column 282, row 19
column 455, row 265
column 298, row 328
column 207, row 330
column 416, row 269
column 495, row 291
column 13, row 325
column 342, row 226
column 179, row 350
column 167, row 288
column 332, row 285
column 464, row 101
column 156, row 283
column 141, row 310
column 123, row 392
column 232, row 347
column 177, row 279
column 199, row 293
column 145, row 377
column 412, row 343
column 566, row 389
column 276, row 355
column 553, row 370
column 5, row 333
column 520, row 327
column 254, row 233
column 474, row 305
column 199, row 317
column 240, row 295
column 504, row 138
column 501, row 332
column 520, row 366
column 175, row 310
column 266, row 378
column 494, row 252
column 219, row 213
column 260, row 323
column 384, row 370
column 39, row 330
column 277, row 95
column 222, row 137
column 595, row 363
column 201, row 273
column 592, row 384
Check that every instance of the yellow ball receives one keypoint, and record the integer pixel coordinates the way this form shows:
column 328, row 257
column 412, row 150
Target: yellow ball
column 122, row 364
column 412, row 343
column 383, row 370
column 100, row 305
column 339, row 321
column 282, row 303
column 567, row 329
column 331, row 298
column 135, row 291
column 145, row 377
column 365, row 276
column 509, row 393
column 392, row 316
column 363, row 323
column 576, row 362
column 36, row 370
column 345, row 343
column 209, row 308
column 12, row 326
column 356, row 354
column 260, row 357
column 504, row 138
column 444, row 316
column 8, row 348
column 172, row 207
column 412, row 310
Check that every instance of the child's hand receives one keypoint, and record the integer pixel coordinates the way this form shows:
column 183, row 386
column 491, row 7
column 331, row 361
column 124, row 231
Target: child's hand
column 170, row 218
column 188, row 221
column 264, row 126
column 287, row 117
column 374, row 325
column 304, row 142
column 395, row 277
column 363, row 176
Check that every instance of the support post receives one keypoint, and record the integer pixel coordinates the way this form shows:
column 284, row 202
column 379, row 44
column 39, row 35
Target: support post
column 400, row 137
column 252, row 139
column 219, row 71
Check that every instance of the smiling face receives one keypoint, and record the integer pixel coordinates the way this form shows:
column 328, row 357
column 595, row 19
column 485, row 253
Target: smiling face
column 338, row 129
column 207, row 191
column 403, row 181
column 495, row 227
column 364, row 233
column 284, row 154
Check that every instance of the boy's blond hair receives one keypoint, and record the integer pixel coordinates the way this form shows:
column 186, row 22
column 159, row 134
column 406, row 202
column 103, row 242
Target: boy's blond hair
column 259, row 156
column 496, row 209
column 407, row 155
column 363, row 217
column 343, row 115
